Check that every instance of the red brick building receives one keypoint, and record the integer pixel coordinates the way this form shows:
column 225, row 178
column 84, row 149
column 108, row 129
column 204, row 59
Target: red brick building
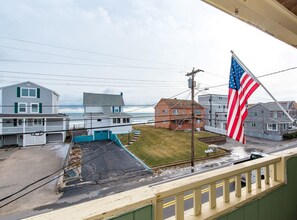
column 176, row 114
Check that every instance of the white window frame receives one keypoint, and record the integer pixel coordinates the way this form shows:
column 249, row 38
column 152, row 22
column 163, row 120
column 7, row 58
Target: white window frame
column 175, row 111
column 28, row 96
column 32, row 108
column 21, row 103
column 270, row 127
column 116, row 109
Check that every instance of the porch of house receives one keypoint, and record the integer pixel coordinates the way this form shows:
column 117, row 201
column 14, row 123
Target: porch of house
column 274, row 197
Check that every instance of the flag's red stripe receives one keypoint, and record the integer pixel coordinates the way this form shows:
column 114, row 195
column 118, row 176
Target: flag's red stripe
column 237, row 111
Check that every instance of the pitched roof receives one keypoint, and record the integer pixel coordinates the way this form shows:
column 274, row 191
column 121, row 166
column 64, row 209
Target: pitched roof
column 29, row 82
column 272, row 106
column 179, row 103
column 95, row 99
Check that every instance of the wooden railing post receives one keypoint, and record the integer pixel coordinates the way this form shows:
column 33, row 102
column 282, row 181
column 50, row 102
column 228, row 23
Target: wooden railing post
column 258, row 177
column 159, row 210
column 226, row 190
column 197, row 201
column 179, row 207
column 267, row 176
column 212, row 196
column 248, row 181
column 238, row 185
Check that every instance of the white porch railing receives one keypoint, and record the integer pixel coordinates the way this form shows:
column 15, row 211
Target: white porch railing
column 54, row 128
column 215, row 130
column 121, row 203
column 17, row 130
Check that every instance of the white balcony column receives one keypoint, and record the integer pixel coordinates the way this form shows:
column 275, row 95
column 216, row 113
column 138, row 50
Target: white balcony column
column 24, row 131
column 64, row 124
column 44, row 129
column 1, row 122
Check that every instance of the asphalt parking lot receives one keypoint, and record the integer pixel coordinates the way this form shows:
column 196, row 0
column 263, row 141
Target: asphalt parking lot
column 109, row 162
column 21, row 166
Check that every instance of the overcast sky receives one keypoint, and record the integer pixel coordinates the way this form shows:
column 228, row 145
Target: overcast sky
column 143, row 48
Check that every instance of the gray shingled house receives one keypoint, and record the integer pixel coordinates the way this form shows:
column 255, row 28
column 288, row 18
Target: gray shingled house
column 27, row 107
column 268, row 121
column 103, row 114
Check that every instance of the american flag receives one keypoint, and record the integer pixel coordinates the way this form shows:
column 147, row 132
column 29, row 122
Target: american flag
column 241, row 87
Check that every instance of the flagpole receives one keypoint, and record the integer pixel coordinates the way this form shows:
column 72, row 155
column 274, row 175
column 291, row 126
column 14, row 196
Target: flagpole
column 255, row 78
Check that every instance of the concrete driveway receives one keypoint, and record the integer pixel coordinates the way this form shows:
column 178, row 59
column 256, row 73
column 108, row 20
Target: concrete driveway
column 109, row 162
column 22, row 166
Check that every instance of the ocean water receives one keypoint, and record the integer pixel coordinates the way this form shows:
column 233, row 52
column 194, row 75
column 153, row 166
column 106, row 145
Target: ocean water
column 77, row 119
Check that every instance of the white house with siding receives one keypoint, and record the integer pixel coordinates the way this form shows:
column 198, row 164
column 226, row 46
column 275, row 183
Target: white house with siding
column 27, row 109
column 103, row 113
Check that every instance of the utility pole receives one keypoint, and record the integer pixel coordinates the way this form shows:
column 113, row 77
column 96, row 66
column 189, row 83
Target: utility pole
column 193, row 85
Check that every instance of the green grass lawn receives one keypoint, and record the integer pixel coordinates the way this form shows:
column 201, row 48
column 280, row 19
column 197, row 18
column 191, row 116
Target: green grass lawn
column 158, row 146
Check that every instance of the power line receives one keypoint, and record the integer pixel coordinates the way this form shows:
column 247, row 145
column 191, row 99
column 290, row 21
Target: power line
column 91, row 52
column 94, row 65
column 96, row 85
column 43, row 178
column 39, row 133
column 88, row 77
column 93, row 117
column 157, row 102
column 99, row 83
column 91, row 60
column 261, row 76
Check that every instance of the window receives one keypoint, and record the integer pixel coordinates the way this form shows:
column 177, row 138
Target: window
column 280, row 114
column 253, row 124
column 124, row 120
column 29, row 92
column 34, row 107
column 164, row 111
column 272, row 127
column 99, row 120
column 220, row 98
column 175, row 111
column 197, row 112
column 255, row 113
column 128, row 120
column 116, row 120
column 37, row 121
column 22, row 107
column 30, row 122
column 116, row 109
column 20, row 121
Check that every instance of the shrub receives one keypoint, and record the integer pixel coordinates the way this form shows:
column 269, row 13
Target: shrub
column 290, row 136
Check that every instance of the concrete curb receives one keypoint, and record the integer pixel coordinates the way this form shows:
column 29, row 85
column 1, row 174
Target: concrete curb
column 60, row 184
column 133, row 155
